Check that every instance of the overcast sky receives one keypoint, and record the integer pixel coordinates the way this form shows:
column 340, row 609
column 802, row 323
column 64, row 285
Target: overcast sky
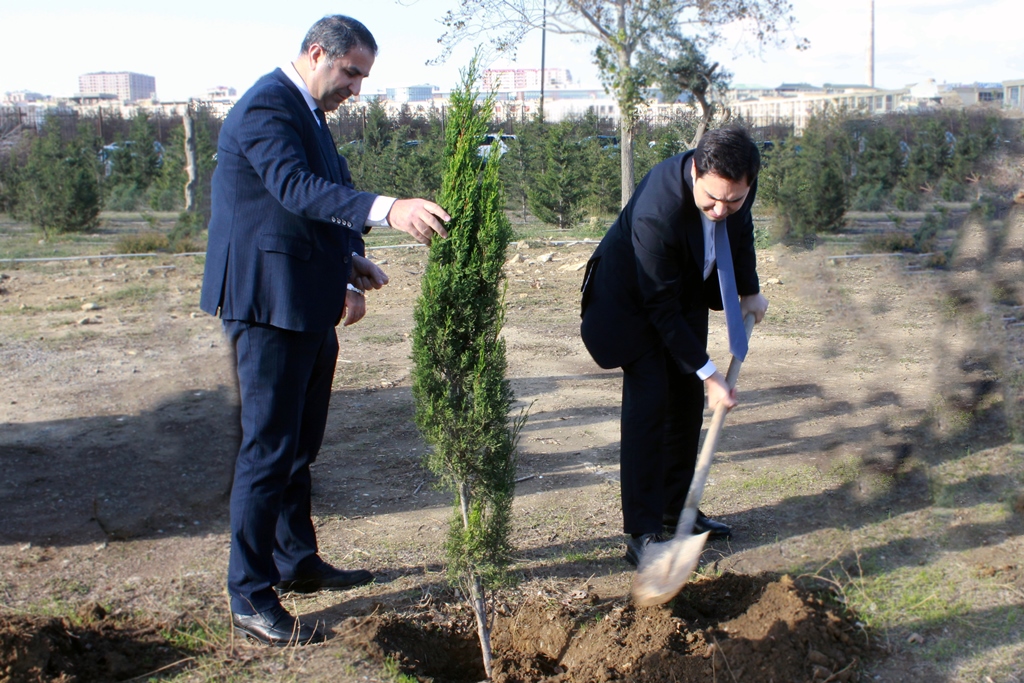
column 192, row 45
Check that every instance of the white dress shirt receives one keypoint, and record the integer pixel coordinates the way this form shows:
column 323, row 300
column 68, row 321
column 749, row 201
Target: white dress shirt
column 709, row 262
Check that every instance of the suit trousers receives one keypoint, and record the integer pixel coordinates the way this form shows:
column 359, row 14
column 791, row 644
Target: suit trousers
column 662, row 413
column 284, row 381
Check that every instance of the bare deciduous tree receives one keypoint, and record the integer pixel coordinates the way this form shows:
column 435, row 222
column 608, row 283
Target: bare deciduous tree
column 620, row 29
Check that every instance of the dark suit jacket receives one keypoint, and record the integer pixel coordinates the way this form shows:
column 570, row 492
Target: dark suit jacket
column 286, row 216
column 645, row 285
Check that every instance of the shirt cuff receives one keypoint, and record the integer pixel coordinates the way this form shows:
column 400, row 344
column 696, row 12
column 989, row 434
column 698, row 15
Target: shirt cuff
column 706, row 371
column 378, row 216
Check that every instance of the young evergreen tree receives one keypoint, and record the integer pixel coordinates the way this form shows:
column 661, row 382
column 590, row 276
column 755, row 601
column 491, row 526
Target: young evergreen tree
column 59, row 187
column 461, row 394
column 10, row 180
column 133, row 164
column 560, row 188
column 519, row 164
column 812, row 193
column 373, row 160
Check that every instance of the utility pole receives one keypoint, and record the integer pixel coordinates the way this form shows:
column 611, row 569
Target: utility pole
column 543, row 51
column 871, row 48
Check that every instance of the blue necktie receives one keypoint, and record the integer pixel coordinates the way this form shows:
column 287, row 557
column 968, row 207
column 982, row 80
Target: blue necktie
column 730, row 298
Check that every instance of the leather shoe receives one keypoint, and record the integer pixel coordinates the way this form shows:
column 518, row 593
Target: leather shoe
column 324, row 577
column 276, row 627
column 700, row 525
column 636, row 545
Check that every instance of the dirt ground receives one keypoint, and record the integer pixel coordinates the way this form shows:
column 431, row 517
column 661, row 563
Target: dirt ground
column 870, row 474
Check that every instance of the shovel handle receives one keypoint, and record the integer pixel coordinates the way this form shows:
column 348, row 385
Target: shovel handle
column 707, row 452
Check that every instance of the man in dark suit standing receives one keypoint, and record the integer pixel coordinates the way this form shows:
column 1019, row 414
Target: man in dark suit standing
column 646, row 296
column 284, row 266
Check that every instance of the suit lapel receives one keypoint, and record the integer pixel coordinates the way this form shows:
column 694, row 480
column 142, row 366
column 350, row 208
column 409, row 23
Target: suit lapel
column 324, row 142
column 327, row 149
column 691, row 217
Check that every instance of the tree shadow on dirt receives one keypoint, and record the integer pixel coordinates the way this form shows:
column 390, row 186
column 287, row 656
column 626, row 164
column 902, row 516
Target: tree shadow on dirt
column 163, row 472
column 167, row 471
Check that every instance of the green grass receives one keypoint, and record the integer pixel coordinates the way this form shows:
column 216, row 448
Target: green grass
column 196, row 636
column 845, row 470
column 389, row 338
column 393, row 671
column 579, row 556
column 132, row 294
column 21, row 240
column 793, row 481
column 908, row 596
column 72, row 305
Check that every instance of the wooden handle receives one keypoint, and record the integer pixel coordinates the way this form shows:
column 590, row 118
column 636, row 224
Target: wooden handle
column 707, row 452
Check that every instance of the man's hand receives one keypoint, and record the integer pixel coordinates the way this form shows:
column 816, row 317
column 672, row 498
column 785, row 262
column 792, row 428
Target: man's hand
column 366, row 274
column 418, row 217
column 719, row 391
column 355, row 308
column 754, row 303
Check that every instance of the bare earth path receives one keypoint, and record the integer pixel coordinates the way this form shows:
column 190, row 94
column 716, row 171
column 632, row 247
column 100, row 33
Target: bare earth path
column 873, row 448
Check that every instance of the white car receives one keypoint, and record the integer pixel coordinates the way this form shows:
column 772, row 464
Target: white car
column 484, row 150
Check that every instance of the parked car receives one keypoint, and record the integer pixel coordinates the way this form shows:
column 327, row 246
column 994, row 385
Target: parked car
column 108, row 152
column 603, row 141
column 484, row 150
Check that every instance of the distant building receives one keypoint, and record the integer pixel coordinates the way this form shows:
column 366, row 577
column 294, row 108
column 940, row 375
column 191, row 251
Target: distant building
column 412, row 93
column 985, row 94
column 221, row 92
column 124, row 85
column 504, row 80
column 1013, row 94
column 102, row 100
column 20, row 96
column 796, row 103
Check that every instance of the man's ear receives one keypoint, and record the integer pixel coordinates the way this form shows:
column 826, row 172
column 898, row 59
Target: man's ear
column 316, row 56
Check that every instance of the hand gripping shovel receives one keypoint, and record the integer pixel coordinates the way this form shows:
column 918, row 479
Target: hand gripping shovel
column 665, row 567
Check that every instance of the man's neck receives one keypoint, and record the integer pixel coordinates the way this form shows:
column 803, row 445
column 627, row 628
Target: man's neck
column 294, row 72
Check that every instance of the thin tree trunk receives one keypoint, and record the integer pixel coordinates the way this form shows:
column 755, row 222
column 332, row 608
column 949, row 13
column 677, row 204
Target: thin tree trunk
column 190, row 158
column 705, row 119
column 627, row 114
column 483, row 631
column 626, row 147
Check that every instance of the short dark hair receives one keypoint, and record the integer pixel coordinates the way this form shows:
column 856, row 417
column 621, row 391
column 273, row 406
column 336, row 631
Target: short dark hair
column 337, row 34
column 728, row 152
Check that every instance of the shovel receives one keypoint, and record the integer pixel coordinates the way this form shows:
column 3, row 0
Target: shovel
column 665, row 567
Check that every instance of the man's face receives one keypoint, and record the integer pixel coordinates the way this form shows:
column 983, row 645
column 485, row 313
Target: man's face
column 332, row 85
column 716, row 196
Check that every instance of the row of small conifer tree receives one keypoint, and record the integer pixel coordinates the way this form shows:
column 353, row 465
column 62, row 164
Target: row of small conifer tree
column 562, row 173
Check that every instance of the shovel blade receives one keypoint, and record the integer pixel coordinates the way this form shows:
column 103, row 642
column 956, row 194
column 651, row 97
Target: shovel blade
column 665, row 568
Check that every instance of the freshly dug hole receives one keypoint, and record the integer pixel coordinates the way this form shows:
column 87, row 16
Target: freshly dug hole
column 731, row 627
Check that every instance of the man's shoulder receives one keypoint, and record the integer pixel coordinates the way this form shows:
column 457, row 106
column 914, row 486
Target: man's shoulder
column 272, row 92
column 666, row 179
column 272, row 85
column 667, row 176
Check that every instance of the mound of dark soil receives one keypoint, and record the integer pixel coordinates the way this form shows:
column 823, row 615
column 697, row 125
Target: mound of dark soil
column 728, row 628
column 45, row 649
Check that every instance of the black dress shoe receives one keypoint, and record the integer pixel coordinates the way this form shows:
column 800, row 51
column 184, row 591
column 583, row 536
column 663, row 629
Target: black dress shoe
column 276, row 627
column 700, row 525
column 636, row 545
column 324, row 577
column 715, row 529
